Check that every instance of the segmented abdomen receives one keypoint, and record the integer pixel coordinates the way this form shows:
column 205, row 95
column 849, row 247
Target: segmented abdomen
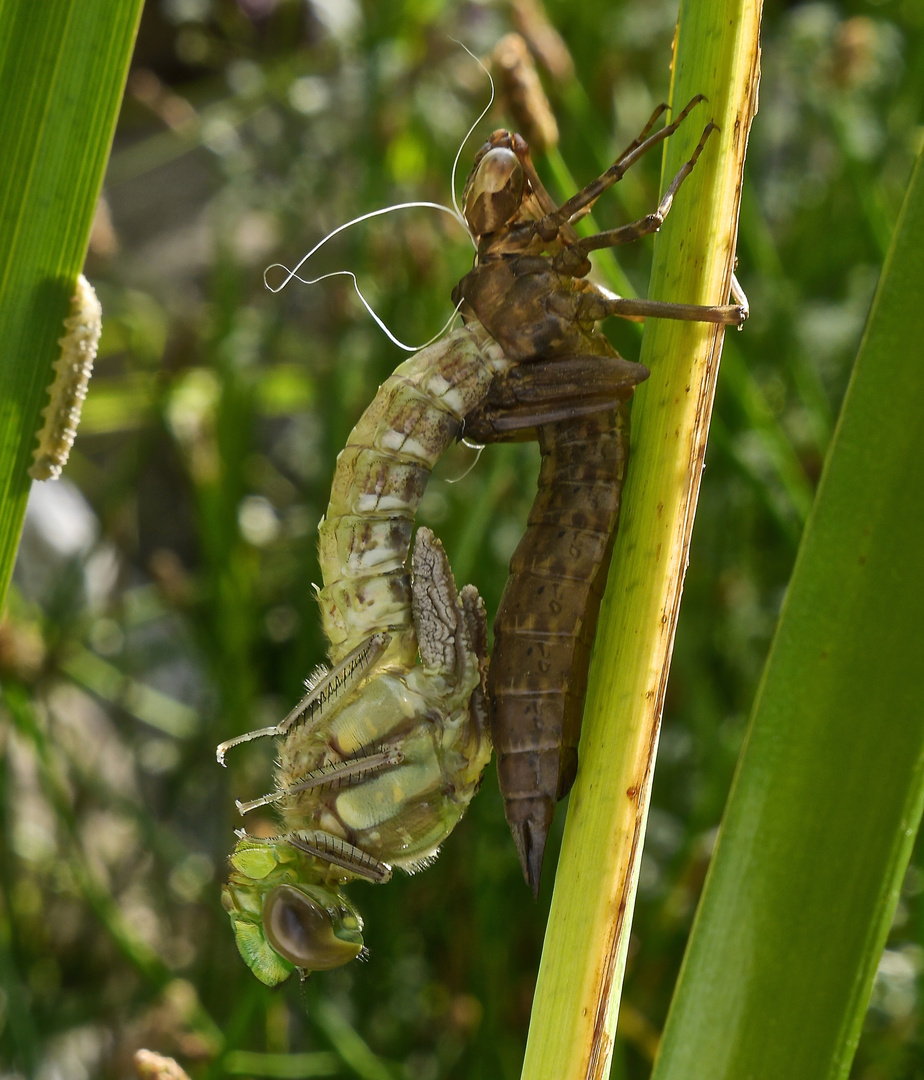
column 380, row 477
column 545, row 625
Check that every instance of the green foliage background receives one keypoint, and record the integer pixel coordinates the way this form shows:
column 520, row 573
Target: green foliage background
column 163, row 596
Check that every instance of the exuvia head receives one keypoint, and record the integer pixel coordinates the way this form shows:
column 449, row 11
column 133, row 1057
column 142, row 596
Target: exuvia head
column 494, row 189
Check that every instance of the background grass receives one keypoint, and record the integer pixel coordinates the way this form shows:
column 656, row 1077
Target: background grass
column 819, row 828
column 62, row 77
column 162, row 600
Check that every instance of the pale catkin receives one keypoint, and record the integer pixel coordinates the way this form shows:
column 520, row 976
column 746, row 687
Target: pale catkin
column 72, row 376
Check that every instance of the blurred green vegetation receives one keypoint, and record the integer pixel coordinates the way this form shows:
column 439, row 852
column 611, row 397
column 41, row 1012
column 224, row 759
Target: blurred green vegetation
column 163, row 599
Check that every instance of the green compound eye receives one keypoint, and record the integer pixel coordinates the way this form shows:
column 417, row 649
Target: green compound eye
column 310, row 935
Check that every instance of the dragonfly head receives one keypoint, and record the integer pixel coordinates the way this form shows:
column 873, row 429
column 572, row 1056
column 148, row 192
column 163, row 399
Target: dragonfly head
column 282, row 920
column 494, row 189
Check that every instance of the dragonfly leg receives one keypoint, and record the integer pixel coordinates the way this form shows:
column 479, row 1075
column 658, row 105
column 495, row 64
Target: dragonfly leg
column 338, row 852
column 323, row 691
column 593, row 302
column 571, row 260
column 552, row 391
column 333, row 775
column 329, row 687
column 739, row 296
column 601, row 307
column 548, row 227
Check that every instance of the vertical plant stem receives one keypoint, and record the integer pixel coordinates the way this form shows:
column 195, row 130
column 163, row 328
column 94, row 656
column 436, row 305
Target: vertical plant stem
column 580, row 977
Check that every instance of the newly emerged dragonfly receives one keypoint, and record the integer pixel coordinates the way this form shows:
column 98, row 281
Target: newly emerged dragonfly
column 568, row 388
column 380, row 759
column 382, row 756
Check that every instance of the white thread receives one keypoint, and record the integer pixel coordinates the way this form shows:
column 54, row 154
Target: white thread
column 469, row 445
column 290, row 274
column 482, row 115
column 454, row 212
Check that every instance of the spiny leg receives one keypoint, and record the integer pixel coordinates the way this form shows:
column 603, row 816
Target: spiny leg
column 322, row 692
column 552, row 391
column 338, row 852
column 651, row 223
column 333, row 775
column 548, row 227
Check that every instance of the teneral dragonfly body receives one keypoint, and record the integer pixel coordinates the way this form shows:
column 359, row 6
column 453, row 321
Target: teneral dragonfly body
column 379, row 761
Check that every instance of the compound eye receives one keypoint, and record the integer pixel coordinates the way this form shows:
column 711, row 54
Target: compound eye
column 494, row 192
column 307, row 934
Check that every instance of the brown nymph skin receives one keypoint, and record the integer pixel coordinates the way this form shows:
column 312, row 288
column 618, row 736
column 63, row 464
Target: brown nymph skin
column 569, row 389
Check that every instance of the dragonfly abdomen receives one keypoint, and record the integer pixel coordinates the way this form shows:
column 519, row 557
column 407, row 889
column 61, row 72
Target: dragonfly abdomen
column 547, row 618
column 381, row 757
column 379, row 480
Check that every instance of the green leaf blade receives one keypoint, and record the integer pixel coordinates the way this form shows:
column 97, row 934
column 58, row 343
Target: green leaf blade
column 62, row 75
column 830, row 788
